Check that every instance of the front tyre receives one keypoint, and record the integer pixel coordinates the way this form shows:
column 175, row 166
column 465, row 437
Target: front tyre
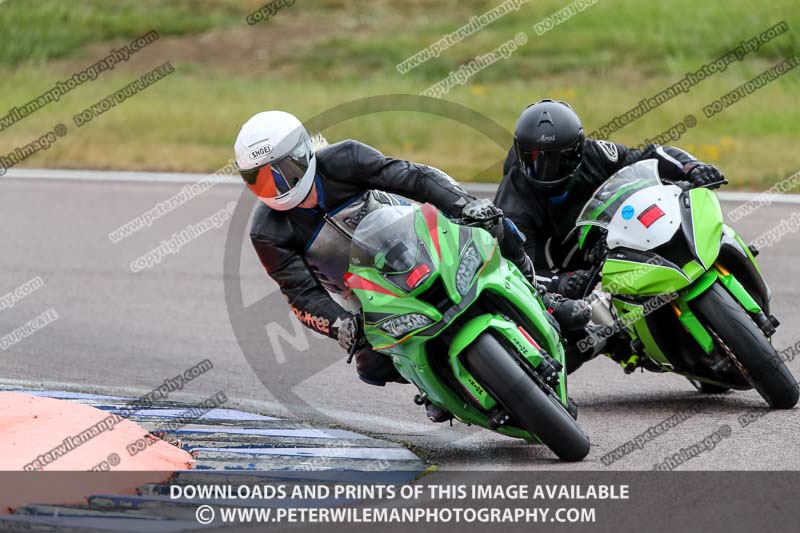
column 538, row 413
column 746, row 344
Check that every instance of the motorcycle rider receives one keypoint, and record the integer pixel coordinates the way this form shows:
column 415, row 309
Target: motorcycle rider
column 311, row 201
column 551, row 171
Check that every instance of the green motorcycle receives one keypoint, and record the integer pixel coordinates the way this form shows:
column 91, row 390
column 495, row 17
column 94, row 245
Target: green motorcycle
column 685, row 286
column 463, row 325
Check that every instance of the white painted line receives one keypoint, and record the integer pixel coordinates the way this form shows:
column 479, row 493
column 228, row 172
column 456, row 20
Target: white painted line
column 744, row 196
column 724, row 196
column 277, row 432
column 481, row 188
column 395, row 454
column 113, row 175
column 177, row 177
column 245, row 404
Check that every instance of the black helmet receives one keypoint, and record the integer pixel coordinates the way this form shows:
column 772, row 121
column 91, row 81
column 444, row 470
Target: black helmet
column 548, row 140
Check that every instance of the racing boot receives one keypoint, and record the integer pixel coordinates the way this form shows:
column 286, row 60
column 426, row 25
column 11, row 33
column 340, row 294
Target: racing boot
column 375, row 368
column 436, row 413
column 433, row 411
column 571, row 315
column 593, row 340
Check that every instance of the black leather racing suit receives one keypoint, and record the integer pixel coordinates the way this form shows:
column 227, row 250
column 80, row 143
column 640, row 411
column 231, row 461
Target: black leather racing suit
column 547, row 222
column 348, row 174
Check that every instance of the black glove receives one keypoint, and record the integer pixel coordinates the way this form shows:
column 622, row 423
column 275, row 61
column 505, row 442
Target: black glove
column 598, row 252
column 571, row 284
column 485, row 214
column 703, row 175
column 350, row 334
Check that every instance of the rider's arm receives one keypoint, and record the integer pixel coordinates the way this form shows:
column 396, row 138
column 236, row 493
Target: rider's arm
column 519, row 207
column 412, row 180
column 309, row 301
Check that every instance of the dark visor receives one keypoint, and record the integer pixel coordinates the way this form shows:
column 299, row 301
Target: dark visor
column 286, row 172
column 552, row 165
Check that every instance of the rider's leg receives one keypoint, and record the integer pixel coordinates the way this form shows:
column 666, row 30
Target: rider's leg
column 376, row 368
column 584, row 345
column 570, row 314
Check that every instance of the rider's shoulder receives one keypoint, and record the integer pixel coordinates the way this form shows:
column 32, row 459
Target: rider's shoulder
column 347, row 147
column 343, row 156
column 268, row 225
column 605, row 149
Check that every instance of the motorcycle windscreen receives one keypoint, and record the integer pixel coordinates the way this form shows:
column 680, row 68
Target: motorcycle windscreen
column 386, row 240
column 611, row 195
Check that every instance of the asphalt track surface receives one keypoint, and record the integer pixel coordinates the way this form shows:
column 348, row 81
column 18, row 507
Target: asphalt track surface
column 123, row 332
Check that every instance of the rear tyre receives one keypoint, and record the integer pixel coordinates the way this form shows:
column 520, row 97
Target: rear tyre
column 748, row 346
column 539, row 413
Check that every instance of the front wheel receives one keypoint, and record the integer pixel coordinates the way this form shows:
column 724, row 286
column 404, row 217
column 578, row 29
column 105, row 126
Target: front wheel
column 740, row 338
column 538, row 412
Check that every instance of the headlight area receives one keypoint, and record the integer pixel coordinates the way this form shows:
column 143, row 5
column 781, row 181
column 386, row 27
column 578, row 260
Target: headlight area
column 467, row 268
column 402, row 325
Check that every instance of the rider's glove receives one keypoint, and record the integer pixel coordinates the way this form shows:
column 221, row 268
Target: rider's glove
column 571, row 284
column 703, row 175
column 485, row 214
column 351, row 334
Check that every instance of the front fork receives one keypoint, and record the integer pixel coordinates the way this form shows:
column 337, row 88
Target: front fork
column 767, row 324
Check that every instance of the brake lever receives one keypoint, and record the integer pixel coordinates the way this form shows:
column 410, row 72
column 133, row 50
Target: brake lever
column 353, row 349
column 352, row 352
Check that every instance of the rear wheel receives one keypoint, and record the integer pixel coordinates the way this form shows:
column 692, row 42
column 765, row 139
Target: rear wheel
column 740, row 338
column 538, row 412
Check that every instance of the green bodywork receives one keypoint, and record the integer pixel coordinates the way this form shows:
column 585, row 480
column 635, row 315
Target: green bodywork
column 654, row 285
column 410, row 354
column 645, row 279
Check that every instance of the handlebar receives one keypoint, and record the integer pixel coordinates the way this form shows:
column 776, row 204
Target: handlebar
column 687, row 185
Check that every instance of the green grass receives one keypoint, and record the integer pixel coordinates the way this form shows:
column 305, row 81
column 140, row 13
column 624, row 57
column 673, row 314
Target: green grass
column 53, row 29
column 314, row 56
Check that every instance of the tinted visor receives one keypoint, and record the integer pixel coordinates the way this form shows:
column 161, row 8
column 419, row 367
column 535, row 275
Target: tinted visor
column 552, row 165
column 280, row 176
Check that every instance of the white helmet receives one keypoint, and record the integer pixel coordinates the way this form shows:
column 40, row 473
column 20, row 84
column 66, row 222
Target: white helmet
column 276, row 159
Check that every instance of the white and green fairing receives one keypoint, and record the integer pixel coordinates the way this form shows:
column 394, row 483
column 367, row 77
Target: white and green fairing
column 641, row 214
column 663, row 245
